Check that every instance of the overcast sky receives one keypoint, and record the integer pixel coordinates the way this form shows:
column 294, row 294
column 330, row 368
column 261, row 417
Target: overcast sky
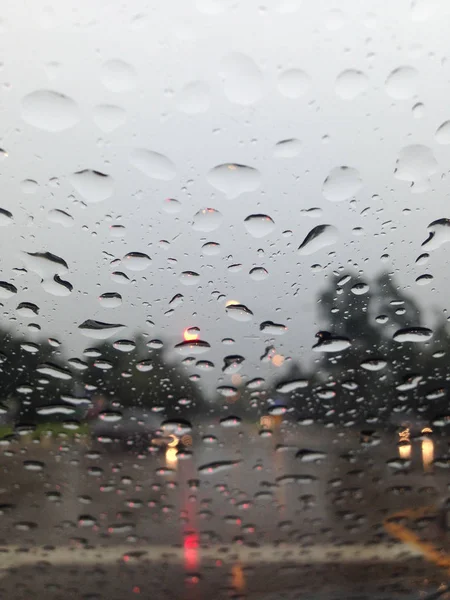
column 157, row 97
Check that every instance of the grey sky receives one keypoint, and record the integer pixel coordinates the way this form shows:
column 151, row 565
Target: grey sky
column 237, row 52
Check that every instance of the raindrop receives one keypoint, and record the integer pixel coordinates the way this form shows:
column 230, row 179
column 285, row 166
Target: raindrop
column 289, row 148
column 57, row 286
column 293, row 83
column 230, row 422
column 136, row 261
column 342, row 183
column 194, row 98
column 422, row 259
column 242, row 79
column 234, row 179
column 60, row 217
column 206, row 220
column 424, row 279
column 258, row 274
column 97, row 330
column 218, row 467
column 171, row 206
column 49, row 110
column 401, row 83
column 439, row 234
column 442, row 135
column 108, row 117
column 192, row 347
column 153, row 164
column 189, row 278
column 311, row 456
column 359, row 289
column 118, row 76
column 232, row 364
column 144, row 366
column 271, row 328
column 227, row 391
column 319, row 237
column 92, row 185
column 416, row 163
column 27, row 309
column 330, row 343
column 259, row 226
column 350, row 84
column 29, row 186
column 239, row 312
column 286, row 387
column 110, row 300
column 54, row 371
column 373, row 364
column 124, row 345
column 211, row 249
column 45, row 264
column 5, row 217
column 7, row 290
column 33, row 465
column 413, row 334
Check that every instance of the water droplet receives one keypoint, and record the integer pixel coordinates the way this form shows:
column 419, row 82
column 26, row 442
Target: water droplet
column 442, row 135
column 55, row 409
column 109, row 117
column 144, row 366
column 416, row 163
column 117, row 231
column 206, row 220
column 153, row 164
column 319, row 237
column 211, row 249
column 92, row 185
column 439, row 234
column 330, row 343
column 258, row 274
column 136, row 261
column 57, row 286
column 271, row 328
column 413, row 334
column 189, row 278
column 342, row 183
column 118, row 76
column 293, row 83
column 60, row 217
column 239, row 312
column 234, row 179
column 27, row 309
column 7, row 290
column 218, row 467
column 351, row 83
column 110, row 300
column 29, row 186
column 286, row 387
column 5, row 217
column 45, row 264
column 54, row 371
column 401, row 83
column 311, row 456
column 171, row 206
column 119, row 277
column 259, row 226
column 194, row 98
column 49, row 110
column 194, row 347
column 359, row 289
column 33, row 465
column 418, row 110
column 97, row 330
column 373, row 364
column 289, row 148
column 424, row 279
column 242, row 79
column 231, row 421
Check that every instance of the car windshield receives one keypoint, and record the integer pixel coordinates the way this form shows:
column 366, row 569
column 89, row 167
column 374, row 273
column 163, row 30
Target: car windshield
column 224, row 286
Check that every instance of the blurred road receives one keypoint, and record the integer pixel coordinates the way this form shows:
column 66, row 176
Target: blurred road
column 311, row 506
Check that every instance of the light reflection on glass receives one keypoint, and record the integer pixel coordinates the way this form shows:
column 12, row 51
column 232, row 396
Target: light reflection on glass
column 427, row 454
column 171, row 457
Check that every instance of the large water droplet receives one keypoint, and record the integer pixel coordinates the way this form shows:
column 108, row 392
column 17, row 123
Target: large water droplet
column 97, row 330
column 218, row 467
column 49, row 110
column 293, row 83
column 330, row 343
column 7, row 290
column 110, row 300
column 193, row 347
column 401, row 83
column 287, row 148
column 239, row 312
column 6, row 217
column 233, row 179
column 136, row 261
column 271, row 328
column 45, row 264
column 416, row 163
column 153, row 164
column 60, row 217
column 194, row 98
column 57, row 286
column 258, row 274
column 373, row 364
column 413, row 334
column 287, row 387
column 109, row 117
column 118, row 76
column 206, row 220
column 259, row 226
column 242, row 79
column 319, row 237
column 189, row 278
column 439, row 234
column 341, row 184
column 351, row 83
column 211, row 249
column 442, row 135
column 92, row 185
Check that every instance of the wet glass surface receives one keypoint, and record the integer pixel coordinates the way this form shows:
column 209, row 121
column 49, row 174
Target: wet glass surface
column 224, row 284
